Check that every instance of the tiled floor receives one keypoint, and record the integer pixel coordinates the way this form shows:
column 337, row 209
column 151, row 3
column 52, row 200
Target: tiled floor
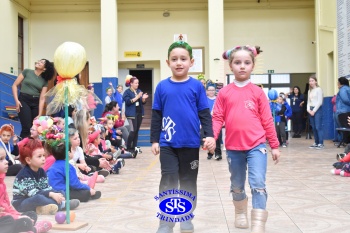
column 303, row 195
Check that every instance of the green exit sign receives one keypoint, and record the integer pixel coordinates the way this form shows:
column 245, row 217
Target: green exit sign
column 270, row 71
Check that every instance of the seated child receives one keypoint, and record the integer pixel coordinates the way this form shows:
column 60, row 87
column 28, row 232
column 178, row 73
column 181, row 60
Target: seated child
column 11, row 221
column 78, row 155
column 59, row 123
column 6, row 132
column 106, row 146
column 31, row 190
column 112, row 134
column 109, row 91
column 57, row 175
column 92, row 149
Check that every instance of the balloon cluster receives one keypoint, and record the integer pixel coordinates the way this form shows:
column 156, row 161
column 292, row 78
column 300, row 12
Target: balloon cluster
column 127, row 80
column 43, row 123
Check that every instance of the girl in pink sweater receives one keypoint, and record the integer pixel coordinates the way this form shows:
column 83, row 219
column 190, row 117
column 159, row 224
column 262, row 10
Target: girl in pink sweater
column 244, row 109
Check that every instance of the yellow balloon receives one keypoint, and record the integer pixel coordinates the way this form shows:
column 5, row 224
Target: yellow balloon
column 69, row 59
column 49, row 122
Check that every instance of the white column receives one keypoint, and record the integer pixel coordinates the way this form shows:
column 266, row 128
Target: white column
column 109, row 38
column 216, row 40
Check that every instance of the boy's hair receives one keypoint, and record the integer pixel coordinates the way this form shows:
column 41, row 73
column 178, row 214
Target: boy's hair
column 108, row 88
column 180, row 44
column 119, row 86
column 26, row 149
column 59, row 149
column 8, row 128
column 72, row 131
column 253, row 51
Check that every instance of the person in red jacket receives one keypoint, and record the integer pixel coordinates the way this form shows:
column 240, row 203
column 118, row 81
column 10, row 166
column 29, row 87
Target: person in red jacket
column 244, row 109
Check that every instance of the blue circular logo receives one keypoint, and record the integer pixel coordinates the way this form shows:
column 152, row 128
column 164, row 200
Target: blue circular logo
column 175, row 206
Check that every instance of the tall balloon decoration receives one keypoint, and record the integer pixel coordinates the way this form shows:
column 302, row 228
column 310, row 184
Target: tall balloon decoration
column 69, row 60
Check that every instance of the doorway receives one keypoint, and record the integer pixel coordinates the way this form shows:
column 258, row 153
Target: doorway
column 145, row 77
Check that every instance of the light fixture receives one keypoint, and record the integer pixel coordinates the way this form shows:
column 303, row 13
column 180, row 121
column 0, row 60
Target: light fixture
column 216, row 59
column 166, row 13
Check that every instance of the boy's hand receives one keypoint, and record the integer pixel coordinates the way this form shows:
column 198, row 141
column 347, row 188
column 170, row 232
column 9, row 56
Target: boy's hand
column 110, row 83
column 155, row 148
column 275, row 155
column 210, row 144
column 58, row 197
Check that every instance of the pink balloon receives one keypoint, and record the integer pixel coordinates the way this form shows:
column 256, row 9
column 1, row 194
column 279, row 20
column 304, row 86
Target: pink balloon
column 44, row 124
column 36, row 122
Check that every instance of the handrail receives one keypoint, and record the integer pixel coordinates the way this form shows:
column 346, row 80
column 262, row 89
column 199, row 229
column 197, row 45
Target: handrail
column 7, row 75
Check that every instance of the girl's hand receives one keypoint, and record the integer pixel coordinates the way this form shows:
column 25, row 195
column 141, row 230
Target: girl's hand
column 119, row 132
column 155, row 148
column 18, row 106
column 2, row 209
column 312, row 113
column 110, row 83
column 275, row 155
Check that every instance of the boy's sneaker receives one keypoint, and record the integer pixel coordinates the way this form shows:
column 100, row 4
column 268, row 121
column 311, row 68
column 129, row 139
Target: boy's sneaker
column 319, row 147
column 210, row 156
column 313, row 146
column 47, row 209
column 138, row 149
column 119, row 164
column 186, row 226
column 43, row 226
column 103, row 172
column 218, row 157
column 134, row 153
column 96, row 196
column 165, row 227
column 284, row 145
column 73, row 204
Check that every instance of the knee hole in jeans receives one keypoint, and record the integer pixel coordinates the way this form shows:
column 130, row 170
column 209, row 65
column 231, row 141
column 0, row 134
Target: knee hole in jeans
column 261, row 191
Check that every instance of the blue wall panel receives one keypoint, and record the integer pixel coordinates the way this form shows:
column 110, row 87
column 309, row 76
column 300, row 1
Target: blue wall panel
column 328, row 121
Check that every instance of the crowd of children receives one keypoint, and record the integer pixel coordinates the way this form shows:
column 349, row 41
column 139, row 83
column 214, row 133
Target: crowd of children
column 38, row 162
